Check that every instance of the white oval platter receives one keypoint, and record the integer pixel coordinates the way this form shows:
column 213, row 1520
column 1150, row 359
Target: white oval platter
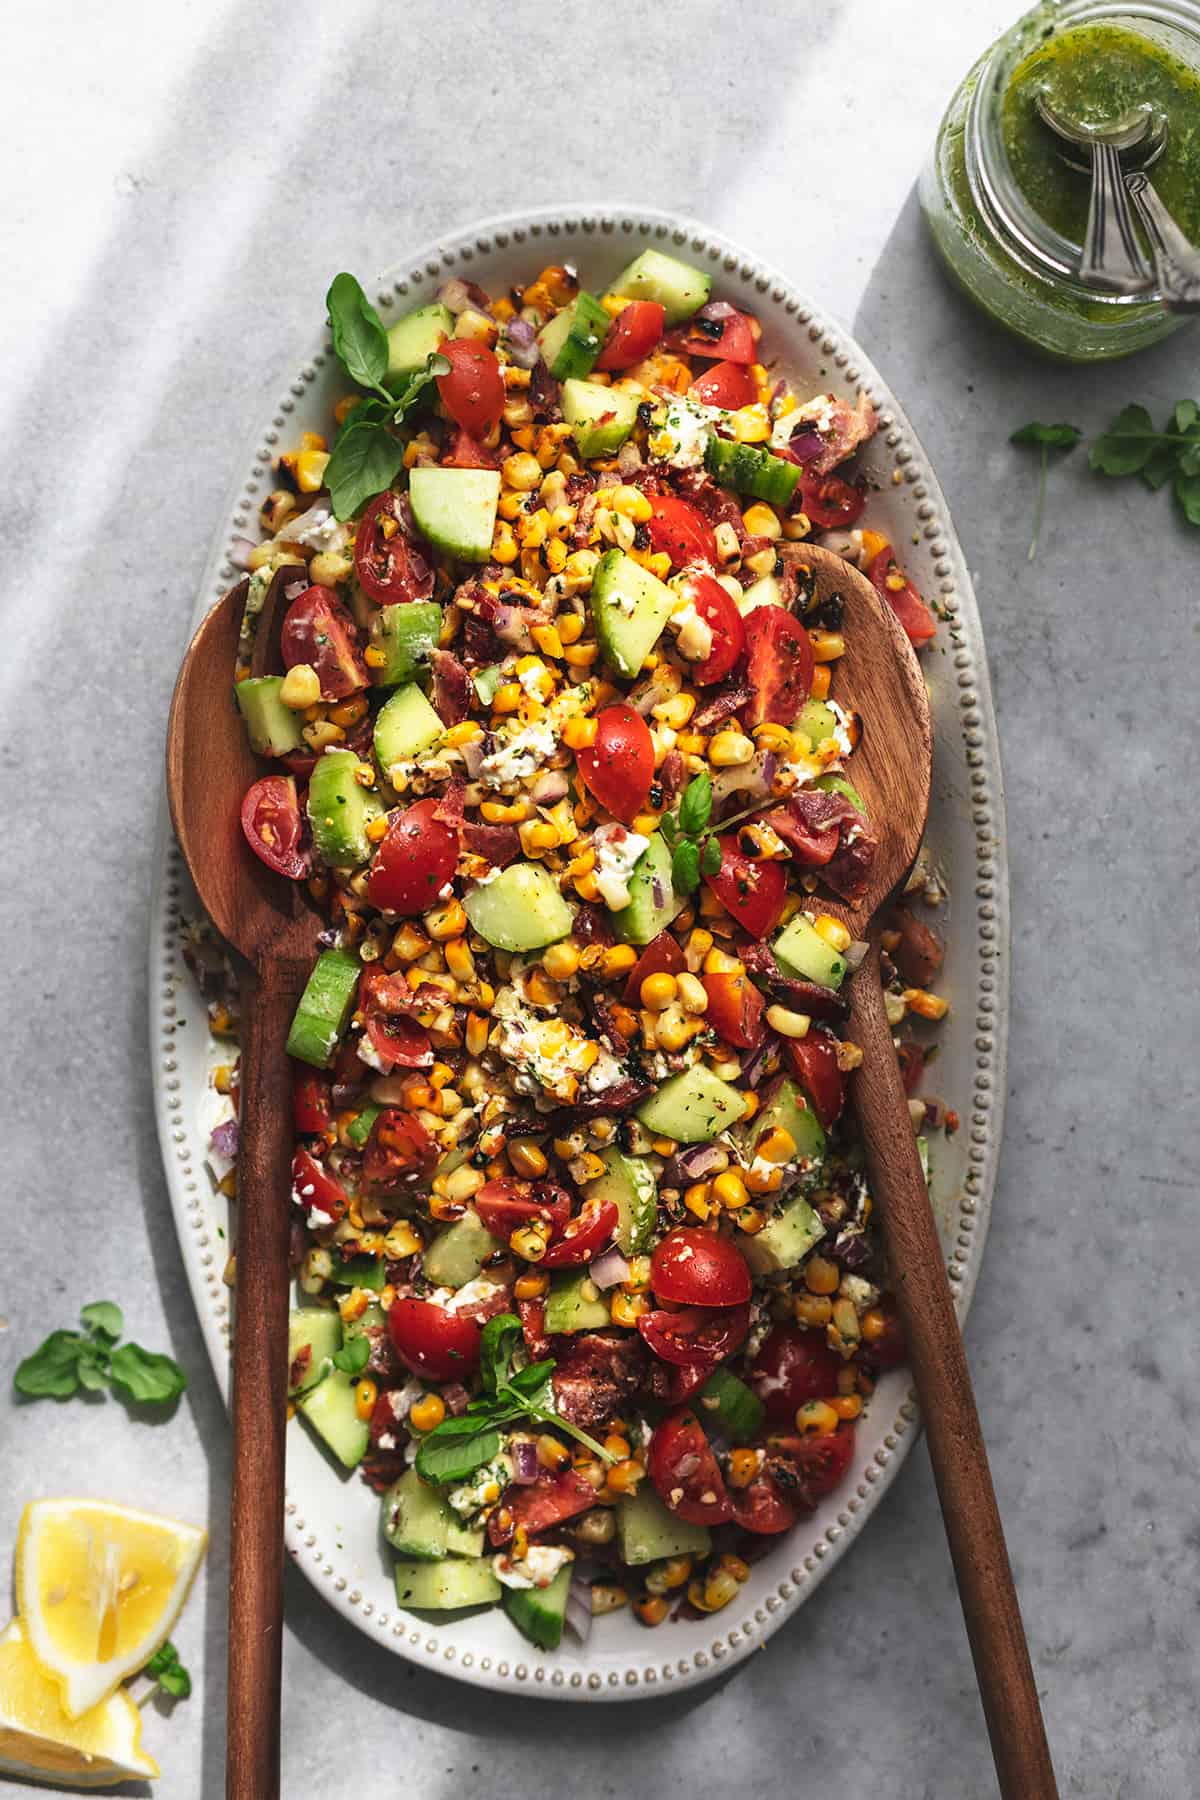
column 331, row 1521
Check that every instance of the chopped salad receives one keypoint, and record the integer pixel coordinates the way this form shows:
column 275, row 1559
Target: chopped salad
column 589, row 1287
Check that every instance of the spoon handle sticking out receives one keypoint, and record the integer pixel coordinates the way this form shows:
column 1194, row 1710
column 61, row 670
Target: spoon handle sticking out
column 952, row 1430
column 260, row 1381
column 1176, row 260
column 1111, row 256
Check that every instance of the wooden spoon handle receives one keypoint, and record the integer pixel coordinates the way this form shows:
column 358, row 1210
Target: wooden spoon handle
column 952, row 1430
column 260, row 1385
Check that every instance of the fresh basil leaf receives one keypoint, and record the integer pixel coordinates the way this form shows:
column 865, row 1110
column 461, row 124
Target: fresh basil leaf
column 92, row 1374
column 414, row 390
column 359, row 340
column 165, row 1657
column 1125, row 446
column 685, row 867
column 353, row 1356
column 176, row 1681
column 364, row 463
column 531, row 1377
column 445, row 1457
column 369, row 411
column 1186, row 415
column 52, row 1371
column 710, row 856
column 695, row 808
column 1187, row 493
column 1051, row 437
column 669, row 827
column 496, row 1345
column 104, row 1319
column 145, row 1376
column 1187, row 459
column 1160, row 466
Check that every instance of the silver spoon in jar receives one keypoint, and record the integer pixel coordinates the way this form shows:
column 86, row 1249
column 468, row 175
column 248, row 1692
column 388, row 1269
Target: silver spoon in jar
column 1111, row 256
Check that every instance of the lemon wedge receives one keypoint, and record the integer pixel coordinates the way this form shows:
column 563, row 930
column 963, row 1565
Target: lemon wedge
column 98, row 1589
column 38, row 1742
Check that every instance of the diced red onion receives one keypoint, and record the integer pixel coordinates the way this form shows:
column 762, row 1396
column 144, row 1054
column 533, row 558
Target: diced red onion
column 239, row 552
column 659, row 893
column 716, row 309
column 806, row 444
column 694, row 1163
column 455, row 1398
column 578, row 1616
column 459, row 295
column 522, row 343
column 935, row 1114
column 511, row 625
column 854, row 953
column 687, row 1465
column 629, row 459
column 224, row 1140
column 551, row 786
column 755, row 1061
column 524, row 1461
column 780, row 389
column 472, row 755
column 609, row 1270
column 292, row 589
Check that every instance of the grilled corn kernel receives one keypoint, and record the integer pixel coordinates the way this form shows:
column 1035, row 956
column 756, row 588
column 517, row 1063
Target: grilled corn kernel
column 561, row 961
column 925, row 1004
column 504, row 544
column 730, row 1189
column 427, row 1413
column 658, row 991
column 697, row 1202
column 827, row 646
column 728, row 547
column 521, row 471
column 581, row 655
column 537, row 835
column 459, row 960
column 776, row 1146
column 607, row 1597
column 627, row 1309
column 812, row 1312
column 529, row 1241
column 762, row 521
column 310, row 470
column 821, row 682
column 787, row 1023
column 751, row 424
column 730, row 749
column 743, row 1467
column 365, row 1395
column 300, row 688
column 449, row 921
column 653, row 1609
column 718, row 962
column 632, row 502
column 821, row 1276
column 526, row 1158
column 693, row 995
column 462, row 1183
column 847, row 1406
column 833, row 931
column 531, row 1287
column 816, row 1416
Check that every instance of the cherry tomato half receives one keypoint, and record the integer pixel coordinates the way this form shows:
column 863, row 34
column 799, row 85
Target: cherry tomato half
column 467, row 452
column 684, row 1381
column 693, row 1267
column 390, row 567
column 432, row 1342
column 584, row 1236
column 727, row 384
column 816, row 1463
column 735, row 1008
column 724, row 622
column 888, row 1350
column 273, row 827
column 763, row 1507
column 312, row 1107
column 632, row 335
column 814, row 1062
column 830, row 502
column 754, row 891
column 414, row 862
column 315, row 1190
column 550, row 1500
column 793, row 1366
column 726, row 340
column 617, row 768
column 679, row 529
column 397, row 1146
column 779, row 665
column 685, row 1473
column 903, row 598
column 393, row 1034
column 505, row 1205
column 696, row 1334
column 319, row 631
column 473, row 391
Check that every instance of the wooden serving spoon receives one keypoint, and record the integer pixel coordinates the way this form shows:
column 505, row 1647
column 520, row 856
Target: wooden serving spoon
column 265, row 921
column 881, row 680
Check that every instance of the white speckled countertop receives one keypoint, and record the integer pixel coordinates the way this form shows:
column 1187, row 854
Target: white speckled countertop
column 181, row 183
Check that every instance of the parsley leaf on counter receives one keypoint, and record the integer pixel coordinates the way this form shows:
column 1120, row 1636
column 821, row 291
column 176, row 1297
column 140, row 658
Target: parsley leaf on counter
column 166, row 1669
column 1045, row 438
column 93, row 1360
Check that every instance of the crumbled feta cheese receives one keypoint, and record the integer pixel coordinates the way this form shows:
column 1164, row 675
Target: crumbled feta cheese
column 545, row 1052
column 694, row 634
column 818, row 412
column 536, row 1569
column 841, row 731
column 534, row 679
column 519, row 754
column 483, row 1490
column 481, row 1289
column 617, row 851
column 604, row 1073
column 316, row 528
column 681, row 436
column 862, row 1293
column 367, row 1053
column 785, row 424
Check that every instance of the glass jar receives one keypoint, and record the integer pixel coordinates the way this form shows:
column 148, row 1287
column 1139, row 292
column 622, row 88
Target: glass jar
column 1003, row 252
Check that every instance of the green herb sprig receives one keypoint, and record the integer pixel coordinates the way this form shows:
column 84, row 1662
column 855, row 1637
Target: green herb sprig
column 453, row 1450
column 166, row 1669
column 694, row 851
column 367, row 455
column 93, row 1359
column 1132, row 446
column 1045, row 438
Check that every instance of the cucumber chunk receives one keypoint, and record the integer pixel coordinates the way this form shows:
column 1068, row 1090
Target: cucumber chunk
column 766, row 591
column 678, row 288
column 630, row 607
column 785, row 1108
column 359, row 1129
column 487, row 682
column 272, row 727
column 448, row 1585
column 647, row 1532
column 653, row 901
column 456, row 509
column 817, row 721
column 406, row 725
column 574, row 338
column 784, row 1240
column 314, row 1334
column 418, row 1522
column 339, row 810
column 751, row 470
column 457, row 1255
column 628, row 1181
column 405, row 635
column 803, row 952
column 692, row 1108
column 521, row 909
column 600, row 417
column 359, row 1272
column 414, row 337
column 539, row 1613
column 330, row 1410
column 733, row 1406
column 837, row 784
column 570, row 1308
column 325, row 1007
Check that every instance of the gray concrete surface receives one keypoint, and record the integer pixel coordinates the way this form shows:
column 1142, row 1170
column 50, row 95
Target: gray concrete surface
column 180, row 184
